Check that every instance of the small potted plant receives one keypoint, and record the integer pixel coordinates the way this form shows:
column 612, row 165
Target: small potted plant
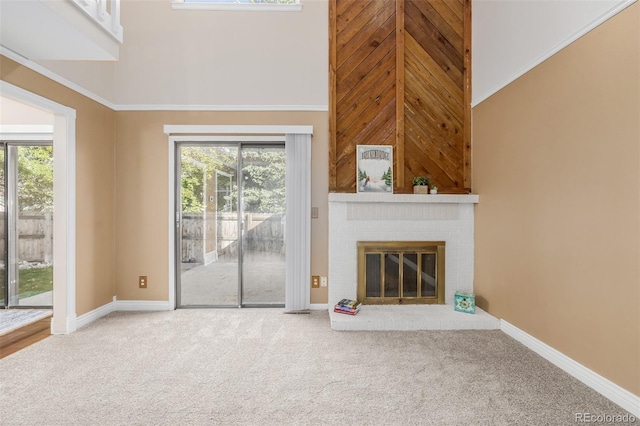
column 421, row 185
column 434, row 189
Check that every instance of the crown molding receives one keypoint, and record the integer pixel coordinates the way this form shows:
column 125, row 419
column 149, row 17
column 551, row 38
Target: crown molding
column 55, row 77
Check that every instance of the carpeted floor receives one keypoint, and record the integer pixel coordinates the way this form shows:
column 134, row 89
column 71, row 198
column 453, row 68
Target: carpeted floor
column 263, row 367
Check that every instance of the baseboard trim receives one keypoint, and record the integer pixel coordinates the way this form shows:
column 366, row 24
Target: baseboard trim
column 607, row 388
column 142, row 305
column 91, row 316
column 120, row 305
column 318, row 306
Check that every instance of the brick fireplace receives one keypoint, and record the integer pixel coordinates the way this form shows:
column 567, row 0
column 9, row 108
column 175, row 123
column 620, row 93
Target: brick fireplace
column 361, row 217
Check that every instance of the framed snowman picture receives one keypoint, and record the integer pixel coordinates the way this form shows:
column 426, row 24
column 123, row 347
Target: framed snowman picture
column 374, row 168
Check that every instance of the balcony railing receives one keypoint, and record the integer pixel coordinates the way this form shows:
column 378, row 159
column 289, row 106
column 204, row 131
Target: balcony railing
column 106, row 13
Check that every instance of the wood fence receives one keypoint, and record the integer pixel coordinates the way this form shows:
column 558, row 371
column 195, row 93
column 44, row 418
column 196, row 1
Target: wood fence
column 265, row 232
column 35, row 237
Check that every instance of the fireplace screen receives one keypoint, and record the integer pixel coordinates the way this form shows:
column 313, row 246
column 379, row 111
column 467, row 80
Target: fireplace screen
column 408, row 272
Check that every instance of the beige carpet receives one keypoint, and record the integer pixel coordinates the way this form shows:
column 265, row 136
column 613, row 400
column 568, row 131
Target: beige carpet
column 263, row 367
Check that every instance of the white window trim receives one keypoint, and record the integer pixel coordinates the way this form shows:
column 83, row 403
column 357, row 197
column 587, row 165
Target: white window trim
column 177, row 129
column 262, row 139
column 251, row 7
column 18, row 132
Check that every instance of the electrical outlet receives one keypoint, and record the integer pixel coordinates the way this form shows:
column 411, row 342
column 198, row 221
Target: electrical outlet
column 142, row 281
column 315, row 281
column 323, row 281
column 314, row 212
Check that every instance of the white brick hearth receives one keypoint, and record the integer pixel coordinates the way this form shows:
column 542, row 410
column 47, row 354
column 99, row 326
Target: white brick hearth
column 413, row 317
column 403, row 217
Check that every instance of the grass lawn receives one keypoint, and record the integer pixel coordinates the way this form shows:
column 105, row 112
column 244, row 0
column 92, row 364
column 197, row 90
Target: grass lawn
column 32, row 282
column 35, row 281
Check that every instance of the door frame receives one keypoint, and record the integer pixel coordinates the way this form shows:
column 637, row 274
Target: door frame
column 177, row 133
column 64, row 205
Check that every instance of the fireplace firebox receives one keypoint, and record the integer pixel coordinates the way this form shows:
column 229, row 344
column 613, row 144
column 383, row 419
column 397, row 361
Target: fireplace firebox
column 401, row 272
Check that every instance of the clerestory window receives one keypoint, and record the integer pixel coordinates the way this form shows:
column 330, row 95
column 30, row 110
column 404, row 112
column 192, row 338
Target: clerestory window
column 246, row 5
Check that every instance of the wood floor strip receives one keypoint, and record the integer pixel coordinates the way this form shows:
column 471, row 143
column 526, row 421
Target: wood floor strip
column 24, row 336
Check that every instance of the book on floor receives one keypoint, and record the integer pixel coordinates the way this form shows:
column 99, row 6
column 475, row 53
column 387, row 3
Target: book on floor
column 347, row 306
column 348, row 303
column 341, row 311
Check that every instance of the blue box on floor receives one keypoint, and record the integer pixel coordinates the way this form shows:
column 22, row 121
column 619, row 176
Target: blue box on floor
column 465, row 302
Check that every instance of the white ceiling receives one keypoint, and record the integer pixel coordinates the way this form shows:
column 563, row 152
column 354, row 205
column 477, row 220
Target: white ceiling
column 58, row 30
column 510, row 37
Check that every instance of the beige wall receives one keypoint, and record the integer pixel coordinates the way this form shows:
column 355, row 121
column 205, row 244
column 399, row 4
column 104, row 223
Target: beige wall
column 95, row 76
column 556, row 164
column 142, row 234
column 140, row 205
column 16, row 113
column 206, row 57
column 95, row 131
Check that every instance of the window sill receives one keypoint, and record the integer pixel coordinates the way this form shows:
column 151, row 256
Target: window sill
column 251, row 7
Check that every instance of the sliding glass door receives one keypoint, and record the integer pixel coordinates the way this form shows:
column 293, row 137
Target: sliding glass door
column 26, row 232
column 230, row 205
column 263, row 220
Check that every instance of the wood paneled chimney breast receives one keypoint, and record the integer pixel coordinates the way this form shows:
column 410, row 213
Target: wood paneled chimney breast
column 400, row 75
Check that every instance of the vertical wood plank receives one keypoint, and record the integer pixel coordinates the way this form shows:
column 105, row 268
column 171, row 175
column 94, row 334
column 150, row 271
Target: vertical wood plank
column 332, row 96
column 466, row 127
column 399, row 155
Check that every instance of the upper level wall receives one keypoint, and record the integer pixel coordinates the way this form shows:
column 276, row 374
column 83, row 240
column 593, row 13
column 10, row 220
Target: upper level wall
column 179, row 57
column 96, row 77
column 222, row 58
column 511, row 37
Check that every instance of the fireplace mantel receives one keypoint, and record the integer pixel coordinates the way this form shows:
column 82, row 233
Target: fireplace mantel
column 337, row 197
